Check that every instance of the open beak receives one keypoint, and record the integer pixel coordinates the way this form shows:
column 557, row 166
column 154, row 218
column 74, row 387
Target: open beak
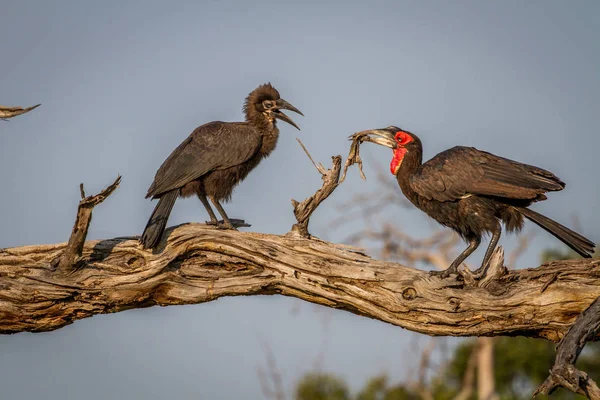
column 277, row 113
column 381, row 137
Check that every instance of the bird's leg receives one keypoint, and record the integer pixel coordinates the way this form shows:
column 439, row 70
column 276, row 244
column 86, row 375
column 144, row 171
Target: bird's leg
column 453, row 268
column 211, row 214
column 226, row 222
column 488, row 253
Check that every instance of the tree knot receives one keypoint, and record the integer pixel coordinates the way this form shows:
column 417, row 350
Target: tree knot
column 409, row 293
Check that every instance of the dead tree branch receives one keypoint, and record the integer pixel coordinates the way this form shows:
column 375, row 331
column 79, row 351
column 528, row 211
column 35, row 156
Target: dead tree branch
column 304, row 210
column 72, row 252
column 199, row 264
column 7, row 112
column 563, row 372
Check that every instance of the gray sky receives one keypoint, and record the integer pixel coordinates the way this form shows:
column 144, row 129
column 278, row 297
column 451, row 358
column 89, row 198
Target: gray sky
column 124, row 82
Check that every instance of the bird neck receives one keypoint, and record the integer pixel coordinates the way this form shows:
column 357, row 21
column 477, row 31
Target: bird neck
column 261, row 122
column 267, row 129
column 269, row 140
column 410, row 164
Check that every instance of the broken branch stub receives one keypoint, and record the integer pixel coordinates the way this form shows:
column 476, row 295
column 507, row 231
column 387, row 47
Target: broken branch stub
column 72, row 253
column 303, row 210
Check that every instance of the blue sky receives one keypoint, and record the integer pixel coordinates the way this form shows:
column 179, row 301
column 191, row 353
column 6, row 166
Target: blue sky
column 123, row 83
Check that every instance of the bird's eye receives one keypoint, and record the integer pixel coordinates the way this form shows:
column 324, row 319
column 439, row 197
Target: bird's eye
column 403, row 138
column 268, row 104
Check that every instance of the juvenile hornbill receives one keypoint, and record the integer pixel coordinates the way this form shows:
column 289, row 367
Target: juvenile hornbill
column 215, row 158
column 472, row 191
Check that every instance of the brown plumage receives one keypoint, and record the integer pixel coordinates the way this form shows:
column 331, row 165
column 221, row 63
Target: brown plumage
column 473, row 191
column 215, row 158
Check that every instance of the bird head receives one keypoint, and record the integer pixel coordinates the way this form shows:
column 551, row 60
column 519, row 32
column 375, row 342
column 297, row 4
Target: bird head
column 399, row 140
column 264, row 102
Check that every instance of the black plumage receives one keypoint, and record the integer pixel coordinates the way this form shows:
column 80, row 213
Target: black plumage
column 215, row 158
column 473, row 191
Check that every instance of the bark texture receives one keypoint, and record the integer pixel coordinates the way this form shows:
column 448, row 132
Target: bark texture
column 73, row 251
column 198, row 264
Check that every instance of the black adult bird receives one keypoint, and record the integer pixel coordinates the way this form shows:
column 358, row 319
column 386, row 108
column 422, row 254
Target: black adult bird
column 215, row 158
column 472, row 191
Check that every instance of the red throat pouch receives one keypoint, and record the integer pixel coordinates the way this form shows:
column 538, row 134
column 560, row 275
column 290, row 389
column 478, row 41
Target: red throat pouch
column 397, row 159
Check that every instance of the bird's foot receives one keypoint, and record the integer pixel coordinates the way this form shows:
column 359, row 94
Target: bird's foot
column 212, row 222
column 481, row 271
column 231, row 224
column 445, row 273
column 226, row 226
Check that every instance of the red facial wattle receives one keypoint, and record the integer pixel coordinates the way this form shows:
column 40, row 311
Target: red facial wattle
column 402, row 138
column 397, row 159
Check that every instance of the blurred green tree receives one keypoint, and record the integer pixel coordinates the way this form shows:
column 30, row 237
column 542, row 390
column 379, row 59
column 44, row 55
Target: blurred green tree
column 322, row 386
column 378, row 388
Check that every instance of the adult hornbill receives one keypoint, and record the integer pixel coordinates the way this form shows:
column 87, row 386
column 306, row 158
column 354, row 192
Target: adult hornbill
column 472, row 191
column 215, row 158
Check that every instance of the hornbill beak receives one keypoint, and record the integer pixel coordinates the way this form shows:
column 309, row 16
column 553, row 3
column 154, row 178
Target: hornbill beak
column 382, row 137
column 282, row 104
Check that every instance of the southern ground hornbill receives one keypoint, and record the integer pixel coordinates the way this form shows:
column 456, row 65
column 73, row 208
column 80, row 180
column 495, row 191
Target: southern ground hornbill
column 215, row 158
column 472, row 192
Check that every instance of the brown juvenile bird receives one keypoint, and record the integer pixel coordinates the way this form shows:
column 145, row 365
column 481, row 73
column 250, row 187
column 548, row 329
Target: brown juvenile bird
column 215, row 158
column 472, row 191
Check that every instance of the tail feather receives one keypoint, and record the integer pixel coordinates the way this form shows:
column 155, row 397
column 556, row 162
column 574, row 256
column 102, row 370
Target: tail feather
column 158, row 220
column 574, row 240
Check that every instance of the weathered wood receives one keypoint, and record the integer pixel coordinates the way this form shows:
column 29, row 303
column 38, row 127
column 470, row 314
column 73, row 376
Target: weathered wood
column 198, row 264
column 73, row 251
column 563, row 372
column 303, row 210
column 10, row 112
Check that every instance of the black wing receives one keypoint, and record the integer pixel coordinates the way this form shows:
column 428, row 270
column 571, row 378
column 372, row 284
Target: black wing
column 212, row 146
column 463, row 171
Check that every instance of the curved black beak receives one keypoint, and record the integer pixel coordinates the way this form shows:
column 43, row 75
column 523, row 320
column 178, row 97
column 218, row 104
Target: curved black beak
column 282, row 104
column 382, row 137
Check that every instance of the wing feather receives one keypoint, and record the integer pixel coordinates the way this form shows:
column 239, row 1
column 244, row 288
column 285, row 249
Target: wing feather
column 212, row 146
column 462, row 171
